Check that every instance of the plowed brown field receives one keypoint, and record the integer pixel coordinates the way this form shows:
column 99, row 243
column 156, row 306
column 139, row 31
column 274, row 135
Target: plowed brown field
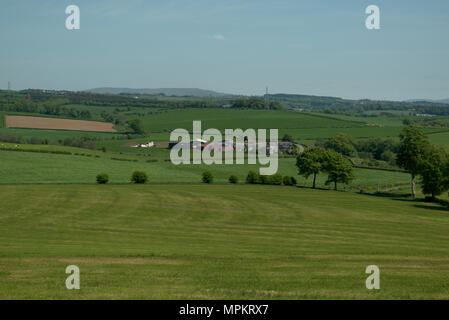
column 57, row 124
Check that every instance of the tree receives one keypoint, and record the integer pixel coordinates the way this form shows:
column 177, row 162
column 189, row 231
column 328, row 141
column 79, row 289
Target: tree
column 139, row 177
column 288, row 181
column 208, row 177
column 102, row 178
column 233, row 179
column 338, row 168
column 253, row 177
column 342, row 143
column 411, row 148
column 265, row 179
column 407, row 122
column 287, row 138
column 310, row 162
column 276, row 179
column 432, row 169
column 137, row 126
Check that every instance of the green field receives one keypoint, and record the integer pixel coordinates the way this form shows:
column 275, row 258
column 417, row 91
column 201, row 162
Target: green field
column 83, row 165
column 177, row 238
column 441, row 139
column 304, row 127
column 235, row 118
column 222, row 242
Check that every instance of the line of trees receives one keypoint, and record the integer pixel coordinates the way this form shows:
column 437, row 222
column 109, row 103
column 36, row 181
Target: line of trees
column 384, row 149
column 420, row 158
column 255, row 103
column 54, row 108
column 316, row 160
column 413, row 153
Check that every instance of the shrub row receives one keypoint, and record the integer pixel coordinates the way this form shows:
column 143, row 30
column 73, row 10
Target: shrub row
column 255, row 178
column 276, row 179
column 121, row 159
column 138, row 177
column 36, row 151
column 48, row 151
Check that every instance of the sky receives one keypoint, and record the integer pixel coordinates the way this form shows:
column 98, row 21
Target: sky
column 317, row 47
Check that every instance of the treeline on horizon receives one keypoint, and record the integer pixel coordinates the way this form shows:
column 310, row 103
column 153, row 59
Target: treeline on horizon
column 56, row 102
column 341, row 106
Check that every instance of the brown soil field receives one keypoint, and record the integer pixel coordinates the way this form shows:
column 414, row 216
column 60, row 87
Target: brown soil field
column 57, row 124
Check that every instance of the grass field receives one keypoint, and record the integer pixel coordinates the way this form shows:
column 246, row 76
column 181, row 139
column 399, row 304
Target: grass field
column 304, row 127
column 441, row 139
column 29, row 167
column 202, row 242
column 176, row 238
column 235, row 118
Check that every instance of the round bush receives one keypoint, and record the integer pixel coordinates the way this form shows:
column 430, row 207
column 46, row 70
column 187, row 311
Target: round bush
column 264, row 179
column 293, row 181
column 233, row 179
column 208, row 177
column 252, row 177
column 276, row 179
column 288, row 181
column 139, row 177
column 102, row 178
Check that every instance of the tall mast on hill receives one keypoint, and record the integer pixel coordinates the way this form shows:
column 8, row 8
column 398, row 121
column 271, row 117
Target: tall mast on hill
column 267, row 99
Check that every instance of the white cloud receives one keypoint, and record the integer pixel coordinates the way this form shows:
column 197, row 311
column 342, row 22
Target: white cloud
column 218, row 37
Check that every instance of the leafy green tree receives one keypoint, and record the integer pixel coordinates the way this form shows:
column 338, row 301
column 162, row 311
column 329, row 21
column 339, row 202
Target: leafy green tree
column 338, row 168
column 136, row 126
column 287, row 138
column 432, row 170
column 412, row 146
column 276, row 179
column 310, row 162
column 139, row 177
column 102, row 178
column 265, row 179
column 233, row 179
column 341, row 143
column 207, row 177
column 253, row 177
column 288, row 181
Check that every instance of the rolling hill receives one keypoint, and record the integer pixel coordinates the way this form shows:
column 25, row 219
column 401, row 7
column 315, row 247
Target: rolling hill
column 180, row 92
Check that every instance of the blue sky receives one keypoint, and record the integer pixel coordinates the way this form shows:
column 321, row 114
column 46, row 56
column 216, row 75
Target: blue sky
column 308, row 47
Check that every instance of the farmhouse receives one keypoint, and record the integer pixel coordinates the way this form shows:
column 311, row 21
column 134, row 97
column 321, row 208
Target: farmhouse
column 144, row 145
column 287, row 147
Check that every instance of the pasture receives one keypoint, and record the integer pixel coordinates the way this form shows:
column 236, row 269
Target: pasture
column 218, row 242
column 82, row 166
column 177, row 238
column 441, row 139
column 237, row 118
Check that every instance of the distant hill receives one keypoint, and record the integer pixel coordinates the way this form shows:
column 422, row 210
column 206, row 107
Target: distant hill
column 429, row 100
column 179, row 92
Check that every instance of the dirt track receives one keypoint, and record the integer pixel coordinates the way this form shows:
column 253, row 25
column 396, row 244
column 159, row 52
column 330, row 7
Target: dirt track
column 57, row 124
